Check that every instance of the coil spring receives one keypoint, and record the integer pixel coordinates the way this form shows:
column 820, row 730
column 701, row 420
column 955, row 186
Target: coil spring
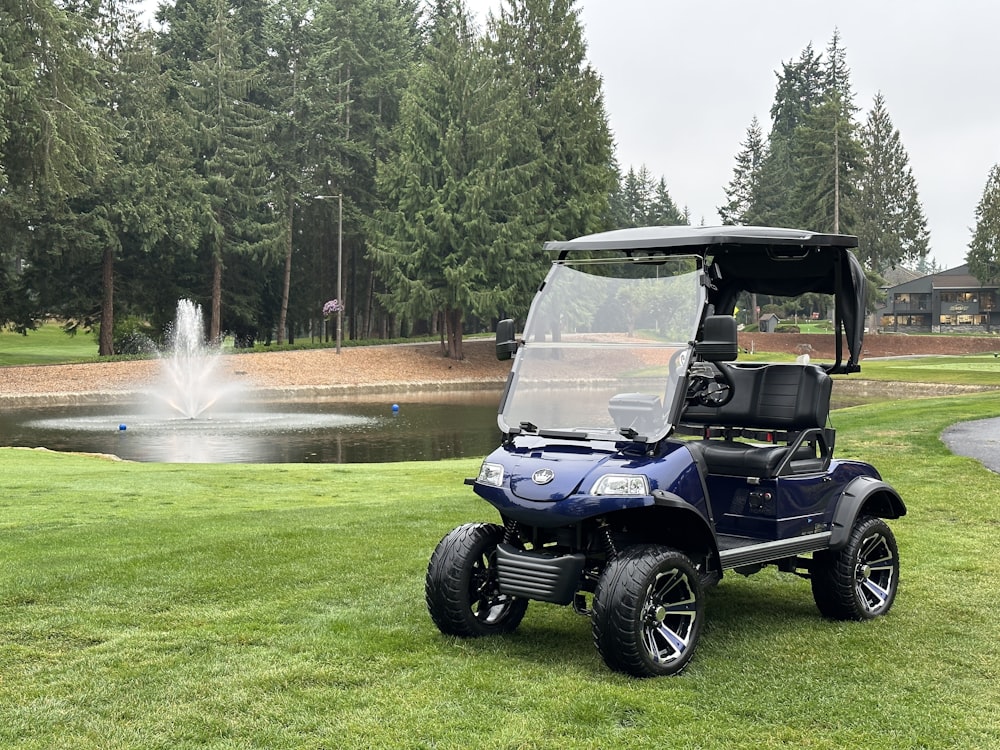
column 609, row 542
column 509, row 531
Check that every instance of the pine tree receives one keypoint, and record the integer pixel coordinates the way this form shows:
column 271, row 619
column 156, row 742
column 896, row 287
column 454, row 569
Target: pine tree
column 984, row 249
column 53, row 144
column 641, row 201
column 891, row 228
column 828, row 152
column 540, row 51
column 799, row 90
column 451, row 239
column 743, row 190
column 215, row 83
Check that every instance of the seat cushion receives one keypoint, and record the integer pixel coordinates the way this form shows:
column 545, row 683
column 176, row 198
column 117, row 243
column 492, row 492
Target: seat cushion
column 743, row 459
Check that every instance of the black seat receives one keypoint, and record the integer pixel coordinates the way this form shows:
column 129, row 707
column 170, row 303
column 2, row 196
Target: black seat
column 774, row 402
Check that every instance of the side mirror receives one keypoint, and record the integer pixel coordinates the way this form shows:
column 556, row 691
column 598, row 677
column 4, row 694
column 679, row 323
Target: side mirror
column 719, row 339
column 506, row 344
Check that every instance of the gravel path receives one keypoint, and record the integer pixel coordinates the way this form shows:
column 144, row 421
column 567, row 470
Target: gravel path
column 355, row 369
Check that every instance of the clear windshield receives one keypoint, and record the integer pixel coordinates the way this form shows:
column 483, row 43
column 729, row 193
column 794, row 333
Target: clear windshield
column 605, row 345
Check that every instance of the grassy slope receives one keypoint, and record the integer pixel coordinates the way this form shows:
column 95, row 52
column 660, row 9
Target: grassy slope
column 171, row 606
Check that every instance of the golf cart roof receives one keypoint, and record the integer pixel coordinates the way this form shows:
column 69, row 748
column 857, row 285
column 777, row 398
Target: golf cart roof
column 762, row 260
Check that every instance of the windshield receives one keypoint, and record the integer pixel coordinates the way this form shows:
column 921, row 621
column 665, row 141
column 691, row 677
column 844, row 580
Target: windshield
column 605, row 344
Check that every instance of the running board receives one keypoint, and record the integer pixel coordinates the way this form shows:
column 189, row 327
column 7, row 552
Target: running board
column 756, row 554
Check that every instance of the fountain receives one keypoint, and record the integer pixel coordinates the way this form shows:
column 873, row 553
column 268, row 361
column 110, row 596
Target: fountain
column 188, row 383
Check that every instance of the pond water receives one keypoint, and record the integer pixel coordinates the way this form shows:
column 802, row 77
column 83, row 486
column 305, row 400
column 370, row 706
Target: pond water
column 364, row 429
column 426, row 427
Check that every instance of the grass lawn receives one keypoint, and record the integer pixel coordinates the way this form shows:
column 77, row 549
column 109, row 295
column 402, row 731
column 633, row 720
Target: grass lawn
column 973, row 369
column 47, row 345
column 251, row 606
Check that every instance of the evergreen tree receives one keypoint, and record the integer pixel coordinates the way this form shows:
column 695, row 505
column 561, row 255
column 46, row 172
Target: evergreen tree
column 53, row 144
column 799, row 90
column 640, row 201
column 891, row 228
column 743, row 190
column 215, row 83
column 984, row 249
column 451, row 239
column 828, row 151
column 541, row 53
column 368, row 49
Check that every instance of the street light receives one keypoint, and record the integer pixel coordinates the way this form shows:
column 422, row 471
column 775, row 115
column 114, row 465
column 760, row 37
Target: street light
column 340, row 260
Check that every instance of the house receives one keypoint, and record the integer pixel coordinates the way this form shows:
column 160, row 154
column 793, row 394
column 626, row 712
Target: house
column 951, row 301
column 768, row 323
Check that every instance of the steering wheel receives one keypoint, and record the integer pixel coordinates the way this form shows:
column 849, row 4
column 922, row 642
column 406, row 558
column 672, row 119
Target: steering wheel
column 709, row 385
column 677, row 363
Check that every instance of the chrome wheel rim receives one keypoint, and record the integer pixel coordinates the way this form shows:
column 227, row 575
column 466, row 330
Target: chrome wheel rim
column 669, row 612
column 875, row 573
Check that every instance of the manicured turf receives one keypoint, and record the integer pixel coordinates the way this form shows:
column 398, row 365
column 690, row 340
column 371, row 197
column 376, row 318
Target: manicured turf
column 240, row 606
column 47, row 345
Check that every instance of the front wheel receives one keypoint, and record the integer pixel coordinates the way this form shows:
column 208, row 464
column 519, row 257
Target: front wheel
column 462, row 590
column 859, row 581
column 649, row 607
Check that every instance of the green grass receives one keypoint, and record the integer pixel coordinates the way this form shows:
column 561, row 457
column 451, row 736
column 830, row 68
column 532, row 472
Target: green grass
column 244, row 606
column 47, row 345
column 976, row 369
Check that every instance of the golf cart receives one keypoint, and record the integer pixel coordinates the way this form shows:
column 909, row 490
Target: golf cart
column 640, row 461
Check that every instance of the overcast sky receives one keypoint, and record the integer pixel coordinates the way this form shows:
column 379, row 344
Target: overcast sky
column 682, row 81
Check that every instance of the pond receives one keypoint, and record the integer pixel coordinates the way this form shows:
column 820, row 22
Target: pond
column 426, row 427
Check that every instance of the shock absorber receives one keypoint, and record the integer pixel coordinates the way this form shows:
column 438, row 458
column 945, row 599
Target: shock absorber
column 510, row 533
column 609, row 543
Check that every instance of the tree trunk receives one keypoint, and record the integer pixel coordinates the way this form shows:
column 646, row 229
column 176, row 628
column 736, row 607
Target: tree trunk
column 106, row 345
column 215, row 328
column 453, row 324
column 287, row 282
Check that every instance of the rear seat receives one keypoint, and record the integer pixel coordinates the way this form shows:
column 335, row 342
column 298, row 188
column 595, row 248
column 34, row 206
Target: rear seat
column 776, row 402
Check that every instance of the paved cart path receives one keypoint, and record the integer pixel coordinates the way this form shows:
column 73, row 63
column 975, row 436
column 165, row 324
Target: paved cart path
column 979, row 439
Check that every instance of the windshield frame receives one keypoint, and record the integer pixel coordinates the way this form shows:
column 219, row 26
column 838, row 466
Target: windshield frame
column 595, row 373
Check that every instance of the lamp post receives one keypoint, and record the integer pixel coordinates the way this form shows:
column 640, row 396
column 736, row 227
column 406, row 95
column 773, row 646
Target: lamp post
column 340, row 260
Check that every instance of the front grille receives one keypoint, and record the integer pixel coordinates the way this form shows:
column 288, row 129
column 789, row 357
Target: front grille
column 535, row 575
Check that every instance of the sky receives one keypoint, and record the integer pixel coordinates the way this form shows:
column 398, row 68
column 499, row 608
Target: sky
column 683, row 80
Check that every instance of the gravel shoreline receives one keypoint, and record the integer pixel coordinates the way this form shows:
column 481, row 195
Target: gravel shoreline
column 306, row 372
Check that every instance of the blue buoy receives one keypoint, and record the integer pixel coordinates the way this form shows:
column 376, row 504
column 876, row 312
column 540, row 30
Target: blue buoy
column 122, row 427
column 395, row 407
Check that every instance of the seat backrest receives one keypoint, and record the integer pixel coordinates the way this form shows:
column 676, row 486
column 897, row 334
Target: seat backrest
column 769, row 397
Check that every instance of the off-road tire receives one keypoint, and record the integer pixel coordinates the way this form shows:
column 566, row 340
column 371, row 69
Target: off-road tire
column 461, row 589
column 649, row 606
column 859, row 581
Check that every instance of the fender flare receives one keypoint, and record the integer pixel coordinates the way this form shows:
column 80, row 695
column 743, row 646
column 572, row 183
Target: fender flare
column 863, row 495
column 665, row 499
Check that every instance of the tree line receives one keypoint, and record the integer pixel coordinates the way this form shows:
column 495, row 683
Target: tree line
column 243, row 151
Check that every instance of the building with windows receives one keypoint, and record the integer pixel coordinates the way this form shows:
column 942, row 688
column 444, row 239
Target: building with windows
column 951, row 301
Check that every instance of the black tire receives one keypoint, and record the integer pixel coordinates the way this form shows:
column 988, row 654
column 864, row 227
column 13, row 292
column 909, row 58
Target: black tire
column 859, row 581
column 649, row 606
column 462, row 591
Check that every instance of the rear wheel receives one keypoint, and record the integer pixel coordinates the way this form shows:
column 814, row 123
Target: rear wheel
column 859, row 581
column 462, row 591
column 648, row 611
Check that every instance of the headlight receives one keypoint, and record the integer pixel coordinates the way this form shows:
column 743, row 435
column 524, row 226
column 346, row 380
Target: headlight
column 621, row 484
column 491, row 474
